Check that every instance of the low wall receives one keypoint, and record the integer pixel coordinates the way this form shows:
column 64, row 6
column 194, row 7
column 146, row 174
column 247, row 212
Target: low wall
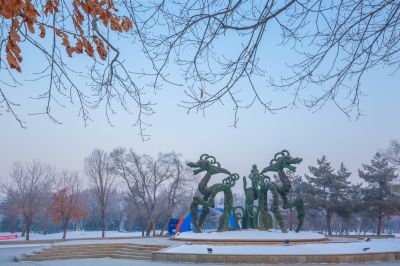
column 274, row 259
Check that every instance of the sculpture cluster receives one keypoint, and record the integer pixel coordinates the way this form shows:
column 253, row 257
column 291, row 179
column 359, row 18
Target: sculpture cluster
column 254, row 215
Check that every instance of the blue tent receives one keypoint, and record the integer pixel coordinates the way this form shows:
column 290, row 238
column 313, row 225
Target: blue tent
column 185, row 222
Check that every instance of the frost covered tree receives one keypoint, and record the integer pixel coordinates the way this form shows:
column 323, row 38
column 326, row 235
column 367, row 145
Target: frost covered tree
column 66, row 203
column 28, row 186
column 98, row 170
column 155, row 185
column 392, row 153
column 328, row 189
column 378, row 196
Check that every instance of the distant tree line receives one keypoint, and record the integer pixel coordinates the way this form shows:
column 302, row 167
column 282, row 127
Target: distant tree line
column 334, row 204
column 127, row 191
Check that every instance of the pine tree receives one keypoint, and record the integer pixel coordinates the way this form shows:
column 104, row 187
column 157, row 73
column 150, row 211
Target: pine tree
column 328, row 190
column 378, row 197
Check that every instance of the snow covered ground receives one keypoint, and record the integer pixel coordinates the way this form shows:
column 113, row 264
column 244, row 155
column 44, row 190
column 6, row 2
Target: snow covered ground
column 142, row 240
column 250, row 235
column 74, row 235
column 373, row 246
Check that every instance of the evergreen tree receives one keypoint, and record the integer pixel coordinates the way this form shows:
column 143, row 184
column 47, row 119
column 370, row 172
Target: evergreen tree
column 378, row 196
column 328, row 190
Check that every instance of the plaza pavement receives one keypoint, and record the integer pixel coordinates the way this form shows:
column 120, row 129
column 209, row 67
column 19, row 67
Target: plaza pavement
column 7, row 259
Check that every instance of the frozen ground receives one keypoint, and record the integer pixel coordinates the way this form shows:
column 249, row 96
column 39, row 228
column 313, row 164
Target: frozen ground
column 74, row 235
column 251, row 234
column 373, row 246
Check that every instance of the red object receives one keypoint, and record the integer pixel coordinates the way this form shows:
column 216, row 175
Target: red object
column 178, row 227
column 8, row 237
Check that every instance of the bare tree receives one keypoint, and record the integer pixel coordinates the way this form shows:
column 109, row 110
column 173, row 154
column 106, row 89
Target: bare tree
column 28, row 185
column 337, row 42
column 66, row 200
column 392, row 153
column 98, row 170
column 154, row 184
column 56, row 30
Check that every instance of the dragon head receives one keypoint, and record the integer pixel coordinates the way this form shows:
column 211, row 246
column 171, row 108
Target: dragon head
column 207, row 163
column 282, row 160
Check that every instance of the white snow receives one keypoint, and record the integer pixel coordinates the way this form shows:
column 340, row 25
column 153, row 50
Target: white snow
column 24, row 246
column 142, row 240
column 250, row 235
column 375, row 245
column 72, row 235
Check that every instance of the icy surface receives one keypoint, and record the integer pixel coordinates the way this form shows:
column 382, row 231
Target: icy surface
column 250, row 235
column 373, row 246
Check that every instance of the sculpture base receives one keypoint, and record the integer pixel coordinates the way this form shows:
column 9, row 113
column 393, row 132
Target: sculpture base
column 332, row 251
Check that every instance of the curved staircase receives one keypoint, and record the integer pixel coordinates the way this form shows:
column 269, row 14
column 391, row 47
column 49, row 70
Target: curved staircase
column 117, row 251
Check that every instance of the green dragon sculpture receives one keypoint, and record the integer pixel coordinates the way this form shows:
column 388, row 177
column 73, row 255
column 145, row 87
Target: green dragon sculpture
column 207, row 194
column 282, row 160
column 250, row 213
column 254, row 216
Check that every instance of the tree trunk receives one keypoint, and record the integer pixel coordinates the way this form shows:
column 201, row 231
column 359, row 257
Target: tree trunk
column 149, row 228
column 23, row 230
column 103, row 223
column 291, row 218
column 28, row 229
column 65, row 225
column 380, row 218
column 328, row 222
column 165, row 227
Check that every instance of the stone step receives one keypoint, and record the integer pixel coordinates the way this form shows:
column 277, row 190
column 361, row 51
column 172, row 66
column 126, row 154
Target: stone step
column 50, row 251
column 131, row 256
column 73, row 247
column 140, row 248
column 127, row 251
column 83, row 253
column 147, row 246
column 122, row 251
column 63, row 257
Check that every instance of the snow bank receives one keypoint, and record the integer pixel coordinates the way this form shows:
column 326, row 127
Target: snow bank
column 373, row 246
column 250, row 235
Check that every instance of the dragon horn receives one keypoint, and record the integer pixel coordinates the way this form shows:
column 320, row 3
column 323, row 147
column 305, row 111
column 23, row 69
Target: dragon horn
column 204, row 157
